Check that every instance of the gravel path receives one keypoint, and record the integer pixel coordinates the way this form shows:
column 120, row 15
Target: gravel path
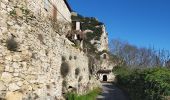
column 111, row 92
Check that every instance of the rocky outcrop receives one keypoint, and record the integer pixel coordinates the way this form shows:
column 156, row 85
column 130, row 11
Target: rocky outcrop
column 103, row 40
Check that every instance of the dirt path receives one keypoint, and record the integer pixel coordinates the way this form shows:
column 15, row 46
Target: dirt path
column 111, row 92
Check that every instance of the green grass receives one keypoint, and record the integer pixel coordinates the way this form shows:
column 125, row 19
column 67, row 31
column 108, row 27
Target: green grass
column 89, row 96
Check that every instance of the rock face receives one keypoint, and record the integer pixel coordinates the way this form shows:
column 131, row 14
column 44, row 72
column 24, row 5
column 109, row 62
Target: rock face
column 32, row 54
column 103, row 40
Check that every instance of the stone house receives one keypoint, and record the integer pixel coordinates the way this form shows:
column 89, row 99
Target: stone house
column 105, row 71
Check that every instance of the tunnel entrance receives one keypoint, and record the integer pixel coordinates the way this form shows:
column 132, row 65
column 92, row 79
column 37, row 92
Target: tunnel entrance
column 104, row 77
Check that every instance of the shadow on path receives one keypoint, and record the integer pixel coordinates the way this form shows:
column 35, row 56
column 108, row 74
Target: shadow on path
column 111, row 92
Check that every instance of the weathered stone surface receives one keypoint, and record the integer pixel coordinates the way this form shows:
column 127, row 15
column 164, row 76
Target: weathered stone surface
column 7, row 68
column 13, row 87
column 9, row 58
column 11, row 69
column 2, row 68
column 18, row 12
column 2, row 86
column 17, row 57
column 15, row 65
column 6, row 77
column 16, row 74
column 3, row 6
column 14, row 96
column 20, row 83
column 10, row 23
column 4, row 1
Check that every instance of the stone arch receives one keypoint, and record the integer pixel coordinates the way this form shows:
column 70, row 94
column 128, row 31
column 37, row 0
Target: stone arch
column 104, row 77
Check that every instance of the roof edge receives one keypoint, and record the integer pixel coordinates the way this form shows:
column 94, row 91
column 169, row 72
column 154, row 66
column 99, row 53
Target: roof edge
column 67, row 4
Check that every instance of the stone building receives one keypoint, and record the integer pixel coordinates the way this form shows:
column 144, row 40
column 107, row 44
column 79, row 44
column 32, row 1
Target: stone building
column 34, row 52
column 105, row 71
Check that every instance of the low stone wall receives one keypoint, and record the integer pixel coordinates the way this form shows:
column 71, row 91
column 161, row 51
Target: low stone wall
column 33, row 57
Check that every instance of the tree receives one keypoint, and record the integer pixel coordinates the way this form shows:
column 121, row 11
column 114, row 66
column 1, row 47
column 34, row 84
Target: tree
column 139, row 57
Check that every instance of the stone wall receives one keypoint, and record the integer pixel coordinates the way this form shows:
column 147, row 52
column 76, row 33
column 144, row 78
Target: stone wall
column 33, row 54
column 45, row 8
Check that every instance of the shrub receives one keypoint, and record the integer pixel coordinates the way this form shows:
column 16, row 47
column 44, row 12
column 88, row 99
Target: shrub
column 91, row 95
column 144, row 84
column 64, row 70
column 12, row 45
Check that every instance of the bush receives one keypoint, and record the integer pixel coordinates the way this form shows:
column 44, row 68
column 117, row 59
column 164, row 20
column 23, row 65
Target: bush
column 90, row 23
column 12, row 45
column 89, row 96
column 144, row 84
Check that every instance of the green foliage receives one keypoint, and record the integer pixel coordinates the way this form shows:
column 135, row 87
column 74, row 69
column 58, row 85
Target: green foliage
column 144, row 84
column 12, row 13
column 24, row 11
column 90, row 23
column 89, row 96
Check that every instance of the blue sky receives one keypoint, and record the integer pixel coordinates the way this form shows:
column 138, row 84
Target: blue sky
column 140, row 22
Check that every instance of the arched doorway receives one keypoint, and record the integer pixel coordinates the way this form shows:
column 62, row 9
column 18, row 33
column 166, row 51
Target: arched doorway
column 104, row 77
